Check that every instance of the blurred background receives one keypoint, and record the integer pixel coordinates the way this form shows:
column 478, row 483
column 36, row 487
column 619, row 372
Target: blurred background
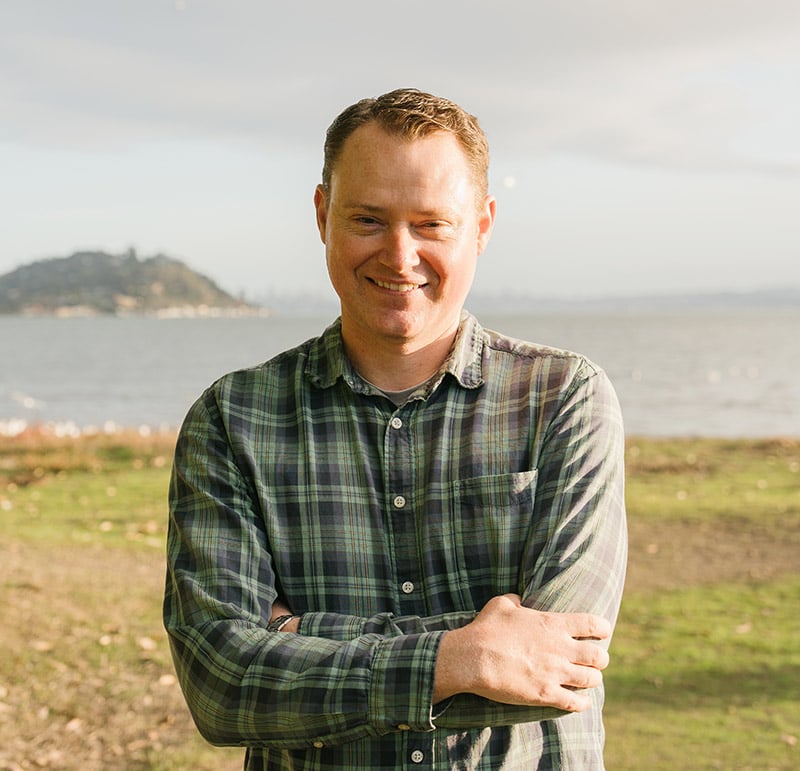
column 645, row 157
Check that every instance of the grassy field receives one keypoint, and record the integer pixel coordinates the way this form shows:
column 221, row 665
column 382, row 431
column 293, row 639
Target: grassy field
column 705, row 663
column 706, row 658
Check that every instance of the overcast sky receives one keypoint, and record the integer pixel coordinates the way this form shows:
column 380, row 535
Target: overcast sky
column 637, row 145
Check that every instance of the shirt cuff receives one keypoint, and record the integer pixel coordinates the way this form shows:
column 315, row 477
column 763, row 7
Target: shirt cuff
column 331, row 626
column 344, row 627
column 401, row 684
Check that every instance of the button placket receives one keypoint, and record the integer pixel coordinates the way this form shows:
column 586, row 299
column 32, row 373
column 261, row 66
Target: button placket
column 400, row 479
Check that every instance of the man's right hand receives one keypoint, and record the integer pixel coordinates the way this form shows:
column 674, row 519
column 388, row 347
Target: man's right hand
column 516, row 655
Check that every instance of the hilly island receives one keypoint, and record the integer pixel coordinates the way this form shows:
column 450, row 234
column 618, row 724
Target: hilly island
column 91, row 282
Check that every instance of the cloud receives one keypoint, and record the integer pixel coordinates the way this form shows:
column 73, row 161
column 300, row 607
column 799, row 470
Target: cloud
column 689, row 89
column 682, row 84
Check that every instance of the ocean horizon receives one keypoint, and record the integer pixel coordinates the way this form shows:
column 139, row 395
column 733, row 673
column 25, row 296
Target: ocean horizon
column 689, row 371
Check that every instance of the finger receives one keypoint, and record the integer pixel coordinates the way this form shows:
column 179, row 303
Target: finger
column 583, row 677
column 590, row 654
column 587, row 626
column 573, row 701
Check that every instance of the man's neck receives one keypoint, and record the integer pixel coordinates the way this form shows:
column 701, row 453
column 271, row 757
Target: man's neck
column 393, row 366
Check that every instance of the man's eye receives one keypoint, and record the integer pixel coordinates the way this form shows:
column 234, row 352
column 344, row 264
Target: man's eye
column 435, row 228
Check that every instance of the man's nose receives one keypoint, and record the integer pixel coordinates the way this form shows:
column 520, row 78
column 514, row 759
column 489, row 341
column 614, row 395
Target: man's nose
column 400, row 248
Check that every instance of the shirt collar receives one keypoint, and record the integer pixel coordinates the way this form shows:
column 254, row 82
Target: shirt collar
column 327, row 361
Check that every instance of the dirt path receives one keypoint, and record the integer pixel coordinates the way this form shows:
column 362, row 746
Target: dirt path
column 673, row 555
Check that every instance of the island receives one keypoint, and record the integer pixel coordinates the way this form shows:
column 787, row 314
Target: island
column 94, row 282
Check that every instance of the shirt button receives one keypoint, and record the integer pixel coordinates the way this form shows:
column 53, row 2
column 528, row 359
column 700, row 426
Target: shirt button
column 404, row 727
column 417, row 756
column 399, row 501
column 318, row 744
column 407, row 587
column 396, row 423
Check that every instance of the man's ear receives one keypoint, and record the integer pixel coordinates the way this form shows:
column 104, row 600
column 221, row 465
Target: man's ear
column 486, row 215
column 321, row 206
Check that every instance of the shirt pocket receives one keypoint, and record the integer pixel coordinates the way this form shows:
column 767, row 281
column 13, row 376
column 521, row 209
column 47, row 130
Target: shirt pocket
column 493, row 518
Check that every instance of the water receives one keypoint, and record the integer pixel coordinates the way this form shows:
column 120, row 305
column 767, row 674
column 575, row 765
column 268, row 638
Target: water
column 732, row 373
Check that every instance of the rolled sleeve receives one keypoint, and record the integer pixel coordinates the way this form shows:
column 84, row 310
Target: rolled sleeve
column 401, row 686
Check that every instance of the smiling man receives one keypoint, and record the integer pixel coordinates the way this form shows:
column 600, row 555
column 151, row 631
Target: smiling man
column 401, row 544
column 403, row 232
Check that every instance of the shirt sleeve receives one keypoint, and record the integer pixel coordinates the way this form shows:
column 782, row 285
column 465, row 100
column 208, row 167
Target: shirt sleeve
column 577, row 553
column 339, row 626
column 243, row 684
column 580, row 506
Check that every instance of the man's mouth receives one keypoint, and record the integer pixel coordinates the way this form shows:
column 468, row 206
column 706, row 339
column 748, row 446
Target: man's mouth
column 403, row 287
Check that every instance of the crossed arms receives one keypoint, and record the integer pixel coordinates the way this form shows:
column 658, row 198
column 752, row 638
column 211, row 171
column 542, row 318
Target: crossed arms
column 340, row 678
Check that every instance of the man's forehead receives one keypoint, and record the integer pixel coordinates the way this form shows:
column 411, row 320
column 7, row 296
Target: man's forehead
column 374, row 158
column 372, row 150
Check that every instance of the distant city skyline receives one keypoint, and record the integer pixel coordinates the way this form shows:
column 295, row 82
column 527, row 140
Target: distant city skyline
column 637, row 147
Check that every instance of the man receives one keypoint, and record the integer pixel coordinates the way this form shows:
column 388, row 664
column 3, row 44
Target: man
column 401, row 543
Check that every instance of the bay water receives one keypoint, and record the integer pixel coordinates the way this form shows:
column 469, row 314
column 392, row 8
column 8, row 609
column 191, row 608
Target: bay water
column 731, row 372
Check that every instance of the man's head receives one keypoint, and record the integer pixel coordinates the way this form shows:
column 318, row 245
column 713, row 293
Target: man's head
column 412, row 114
column 403, row 221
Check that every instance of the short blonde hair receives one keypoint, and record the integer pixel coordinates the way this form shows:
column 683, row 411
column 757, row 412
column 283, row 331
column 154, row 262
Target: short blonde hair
column 411, row 114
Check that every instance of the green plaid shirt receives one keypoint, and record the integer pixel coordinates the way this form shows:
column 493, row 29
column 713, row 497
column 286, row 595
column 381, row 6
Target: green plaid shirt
column 385, row 526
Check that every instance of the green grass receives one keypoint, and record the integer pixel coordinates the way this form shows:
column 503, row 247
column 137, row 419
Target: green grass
column 706, row 479
column 706, row 678
column 82, row 507
column 707, row 675
column 705, row 669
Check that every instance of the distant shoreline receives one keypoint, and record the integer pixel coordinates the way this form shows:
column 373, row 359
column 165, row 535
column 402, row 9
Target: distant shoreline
column 15, row 428
column 479, row 305
column 174, row 312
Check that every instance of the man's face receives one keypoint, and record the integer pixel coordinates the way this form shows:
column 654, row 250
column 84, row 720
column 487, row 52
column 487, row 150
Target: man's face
column 402, row 230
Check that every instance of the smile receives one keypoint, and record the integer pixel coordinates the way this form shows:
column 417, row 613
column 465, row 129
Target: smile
column 395, row 287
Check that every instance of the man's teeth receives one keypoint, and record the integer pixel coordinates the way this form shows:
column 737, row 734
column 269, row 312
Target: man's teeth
column 396, row 287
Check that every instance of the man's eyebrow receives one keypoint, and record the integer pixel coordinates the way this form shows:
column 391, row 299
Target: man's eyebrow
column 363, row 206
column 374, row 209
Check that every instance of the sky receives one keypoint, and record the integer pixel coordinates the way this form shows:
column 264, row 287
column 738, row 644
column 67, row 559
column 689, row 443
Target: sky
column 638, row 146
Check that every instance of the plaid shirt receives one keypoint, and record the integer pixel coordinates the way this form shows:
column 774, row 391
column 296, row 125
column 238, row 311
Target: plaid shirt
column 385, row 526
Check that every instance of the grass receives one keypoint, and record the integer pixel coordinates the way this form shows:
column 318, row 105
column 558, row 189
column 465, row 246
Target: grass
column 707, row 678
column 705, row 662
column 713, row 479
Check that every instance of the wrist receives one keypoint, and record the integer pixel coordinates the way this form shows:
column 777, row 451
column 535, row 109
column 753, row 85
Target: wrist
column 288, row 622
column 455, row 665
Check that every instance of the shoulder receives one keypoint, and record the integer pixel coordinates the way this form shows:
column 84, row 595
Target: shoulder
column 551, row 378
column 273, row 371
column 272, row 386
column 500, row 349
column 317, row 358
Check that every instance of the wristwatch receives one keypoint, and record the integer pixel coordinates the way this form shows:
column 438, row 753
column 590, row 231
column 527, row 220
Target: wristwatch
column 281, row 621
